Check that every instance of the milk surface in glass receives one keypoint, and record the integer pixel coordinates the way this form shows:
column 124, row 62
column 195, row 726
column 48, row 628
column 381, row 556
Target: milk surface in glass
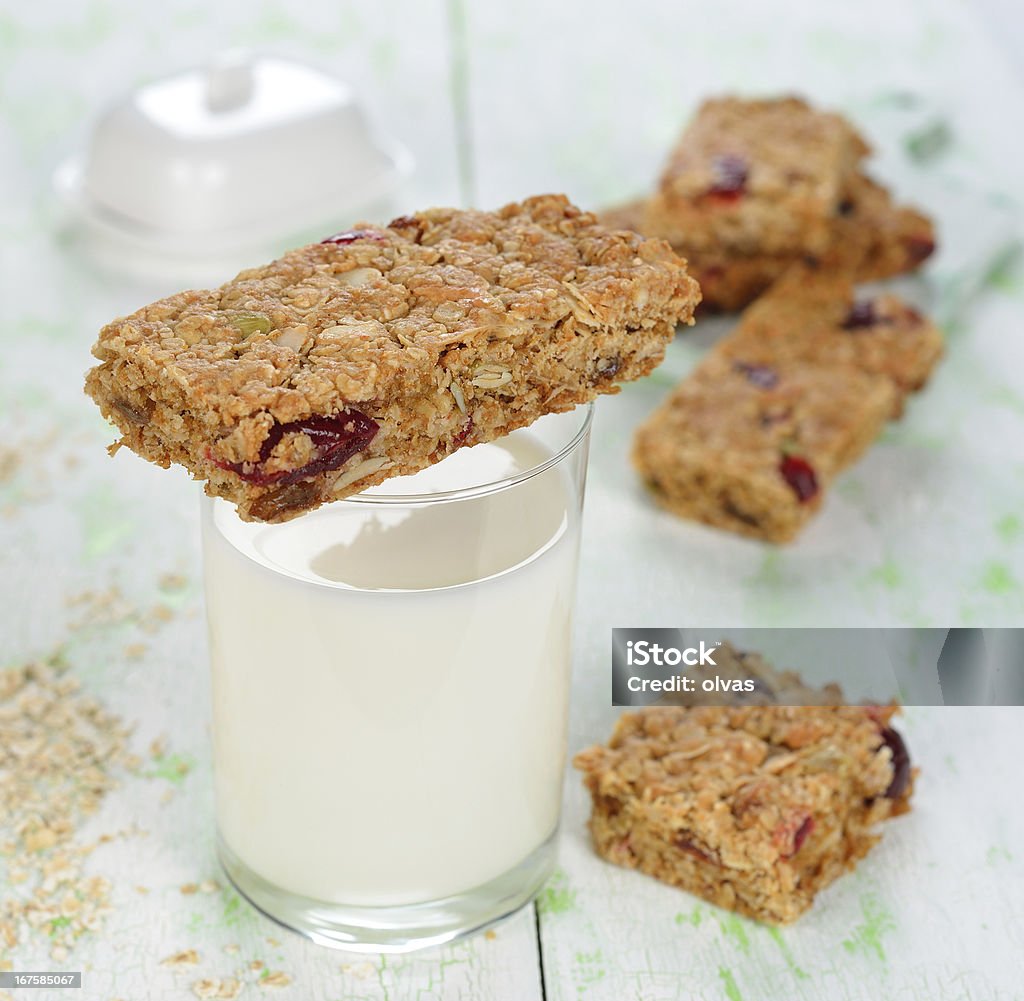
column 390, row 681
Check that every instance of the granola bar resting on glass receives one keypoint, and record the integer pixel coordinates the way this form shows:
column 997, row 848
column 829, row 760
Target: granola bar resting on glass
column 383, row 349
column 755, row 809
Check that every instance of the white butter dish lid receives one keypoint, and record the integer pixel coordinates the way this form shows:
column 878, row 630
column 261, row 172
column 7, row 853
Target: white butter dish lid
column 238, row 154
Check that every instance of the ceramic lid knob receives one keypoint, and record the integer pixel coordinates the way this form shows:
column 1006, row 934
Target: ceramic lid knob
column 229, row 82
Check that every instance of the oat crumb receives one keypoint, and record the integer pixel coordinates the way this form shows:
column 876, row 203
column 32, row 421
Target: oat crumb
column 187, row 957
column 187, row 889
column 225, row 989
column 64, row 753
column 361, row 970
column 276, row 979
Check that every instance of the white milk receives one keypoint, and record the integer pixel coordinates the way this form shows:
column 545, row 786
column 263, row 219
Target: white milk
column 390, row 684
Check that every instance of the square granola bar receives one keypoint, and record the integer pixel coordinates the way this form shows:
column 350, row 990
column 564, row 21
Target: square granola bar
column 755, row 809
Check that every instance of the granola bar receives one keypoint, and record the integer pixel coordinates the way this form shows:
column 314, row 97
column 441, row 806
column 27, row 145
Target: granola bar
column 812, row 315
column 752, row 448
column 381, row 350
column 764, row 176
column 871, row 239
column 755, row 809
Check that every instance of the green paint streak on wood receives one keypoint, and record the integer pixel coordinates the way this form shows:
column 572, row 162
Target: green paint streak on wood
column 998, row 579
column 170, row 767
column 732, row 992
column 589, row 968
column 10, row 32
column 787, row 954
column 1006, row 275
column 734, row 928
column 997, row 854
column 911, row 437
column 769, row 572
column 57, row 923
column 38, row 326
column 867, row 936
column 1007, row 397
column 888, row 574
column 656, row 380
column 1009, row 528
column 695, row 917
column 557, row 897
column 104, row 522
column 237, row 913
column 177, row 593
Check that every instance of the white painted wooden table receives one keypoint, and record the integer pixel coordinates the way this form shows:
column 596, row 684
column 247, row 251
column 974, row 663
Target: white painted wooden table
column 927, row 530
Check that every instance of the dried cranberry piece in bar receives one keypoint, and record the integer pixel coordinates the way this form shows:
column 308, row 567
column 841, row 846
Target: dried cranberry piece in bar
column 409, row 226
column 684, row 844
column 862, row 314
column 919, row 248
column 731, row 174
column 791, row 835
column 800, row 475
column 803, row 832
column 335, row 440
column 900, row 763
column 761, row 376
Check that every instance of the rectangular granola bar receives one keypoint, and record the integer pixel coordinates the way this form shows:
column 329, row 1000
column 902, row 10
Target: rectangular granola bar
column 812, row 315
column 383, row 349
column 755, row 809
column 752, row 448
column 764, row 176
column 871, row 238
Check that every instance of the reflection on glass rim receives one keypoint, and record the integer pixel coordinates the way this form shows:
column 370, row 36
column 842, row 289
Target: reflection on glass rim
column 483, row 489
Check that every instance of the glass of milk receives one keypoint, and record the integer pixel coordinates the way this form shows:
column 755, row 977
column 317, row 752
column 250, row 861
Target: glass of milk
column 390, row 693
